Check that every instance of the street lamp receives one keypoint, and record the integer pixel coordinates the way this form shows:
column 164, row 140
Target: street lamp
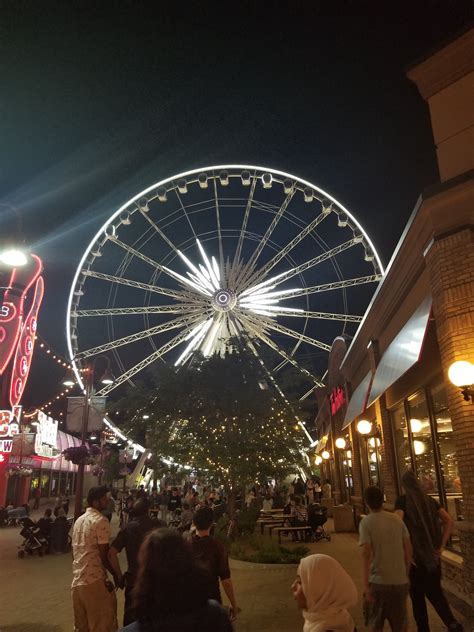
column 461, row 374
column 13, row 257
column 105, row 378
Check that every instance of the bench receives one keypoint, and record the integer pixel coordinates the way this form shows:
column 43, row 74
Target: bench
column 302, row 530
column 269, row 522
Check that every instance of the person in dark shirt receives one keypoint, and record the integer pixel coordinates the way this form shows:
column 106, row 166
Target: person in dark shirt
column 211, row 554
column 171, row 589
column 429, row 526
column 131, row 537
column 45, row 523
column 175, row 501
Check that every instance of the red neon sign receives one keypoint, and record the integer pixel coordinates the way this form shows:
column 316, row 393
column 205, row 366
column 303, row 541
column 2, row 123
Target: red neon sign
column 25, row 347
column 337, row 399
column 11, row 319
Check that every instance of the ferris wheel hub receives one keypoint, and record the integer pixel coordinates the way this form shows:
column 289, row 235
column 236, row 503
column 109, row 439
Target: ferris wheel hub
column 223, row 300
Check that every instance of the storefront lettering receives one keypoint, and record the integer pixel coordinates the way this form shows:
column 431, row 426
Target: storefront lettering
column 6, row 446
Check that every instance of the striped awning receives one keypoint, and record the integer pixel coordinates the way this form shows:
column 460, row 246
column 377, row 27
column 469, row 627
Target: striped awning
column 403, row 352
column 358, row 401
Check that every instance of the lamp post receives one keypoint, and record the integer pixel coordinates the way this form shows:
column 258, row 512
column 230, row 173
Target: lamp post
column 106, row 378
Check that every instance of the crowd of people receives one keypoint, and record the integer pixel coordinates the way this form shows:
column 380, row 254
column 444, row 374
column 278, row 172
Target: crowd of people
column 176, row 568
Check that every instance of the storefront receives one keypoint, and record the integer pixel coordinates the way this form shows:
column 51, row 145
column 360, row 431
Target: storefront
column 36, row 462
column 403, row 412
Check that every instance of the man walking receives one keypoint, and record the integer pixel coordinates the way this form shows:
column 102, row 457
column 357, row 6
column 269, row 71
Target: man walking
column 386, row 559
column 93, row 595
column 131, row 537
column 213, row 556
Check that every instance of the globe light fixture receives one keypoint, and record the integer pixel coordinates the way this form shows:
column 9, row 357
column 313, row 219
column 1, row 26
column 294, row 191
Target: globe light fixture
column 13, row 257
column 415, row 425
column 364, row 427
column 461, row 374
column 325, row 455
column 419, row 447
column 318, row 460
column 340, row 443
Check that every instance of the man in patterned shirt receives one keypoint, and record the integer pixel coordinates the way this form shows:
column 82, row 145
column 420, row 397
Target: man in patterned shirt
column 93, row 595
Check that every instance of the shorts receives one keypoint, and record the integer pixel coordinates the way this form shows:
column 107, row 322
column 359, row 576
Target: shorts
column 390, row 604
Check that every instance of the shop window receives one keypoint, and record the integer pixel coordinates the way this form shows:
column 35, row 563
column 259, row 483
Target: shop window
column 401, row 439
column 374, row 458
column 423, row 443
column 448, row 458
column 45, row 484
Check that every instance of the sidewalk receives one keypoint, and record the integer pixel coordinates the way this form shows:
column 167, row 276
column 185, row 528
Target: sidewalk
column 36, row 591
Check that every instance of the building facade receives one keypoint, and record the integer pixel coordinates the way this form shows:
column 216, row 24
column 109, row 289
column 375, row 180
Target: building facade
column 420, row 321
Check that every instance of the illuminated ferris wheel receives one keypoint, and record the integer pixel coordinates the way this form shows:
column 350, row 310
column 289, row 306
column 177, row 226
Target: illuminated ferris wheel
column 206, row 256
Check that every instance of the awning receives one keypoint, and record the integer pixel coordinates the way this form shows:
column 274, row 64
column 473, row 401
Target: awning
column 403, row 352
column 358, row 401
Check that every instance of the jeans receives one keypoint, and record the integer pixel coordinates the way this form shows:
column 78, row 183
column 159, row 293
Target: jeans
column 427, row 585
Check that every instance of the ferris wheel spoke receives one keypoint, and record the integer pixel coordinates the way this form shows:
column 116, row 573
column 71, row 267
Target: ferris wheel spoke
column 147, row 287
column 183, row 208
column 176, row 308
column 257, row 331
column 297, row 313
column 284, row 276
column 271, row 324
column 262, row 273
column 158, row 230
column 327, row 287
column 153, row 263
column 250, row 266
column 238, row 251
column 272, row 379
column 145, row 333
column 156, row 355
column 219, row 233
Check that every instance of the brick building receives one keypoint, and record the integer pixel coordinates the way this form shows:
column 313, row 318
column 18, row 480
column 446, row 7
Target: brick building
column 421, row 319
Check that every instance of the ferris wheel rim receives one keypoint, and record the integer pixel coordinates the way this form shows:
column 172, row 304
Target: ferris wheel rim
column 175, row 178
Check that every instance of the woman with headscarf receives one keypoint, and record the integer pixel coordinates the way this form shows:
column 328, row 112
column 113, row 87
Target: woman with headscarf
column 325, row 592
column 429, row 526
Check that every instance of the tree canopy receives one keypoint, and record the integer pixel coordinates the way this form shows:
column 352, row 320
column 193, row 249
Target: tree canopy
column 214, row 415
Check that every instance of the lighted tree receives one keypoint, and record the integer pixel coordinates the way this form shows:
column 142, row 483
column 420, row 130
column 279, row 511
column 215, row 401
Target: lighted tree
column 215, row 416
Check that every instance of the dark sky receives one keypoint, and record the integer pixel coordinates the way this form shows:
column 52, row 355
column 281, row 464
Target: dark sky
column 99, row 102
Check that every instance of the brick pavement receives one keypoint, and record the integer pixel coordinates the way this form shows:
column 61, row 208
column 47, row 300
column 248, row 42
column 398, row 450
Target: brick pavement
column 36, row 596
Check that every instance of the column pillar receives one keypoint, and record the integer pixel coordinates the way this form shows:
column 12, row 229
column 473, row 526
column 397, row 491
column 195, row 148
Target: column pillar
column 450, row 264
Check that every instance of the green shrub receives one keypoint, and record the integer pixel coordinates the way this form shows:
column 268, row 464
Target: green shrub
column 266, row 551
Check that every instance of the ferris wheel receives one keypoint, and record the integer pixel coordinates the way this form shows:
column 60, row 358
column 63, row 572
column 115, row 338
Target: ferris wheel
column 206, row 256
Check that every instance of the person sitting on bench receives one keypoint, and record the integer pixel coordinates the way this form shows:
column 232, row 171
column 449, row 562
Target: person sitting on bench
column 298, row 517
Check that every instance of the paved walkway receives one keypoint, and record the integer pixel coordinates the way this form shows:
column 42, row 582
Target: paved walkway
column 35, row 595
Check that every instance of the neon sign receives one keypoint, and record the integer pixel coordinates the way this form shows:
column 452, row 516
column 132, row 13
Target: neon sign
column 337, row 399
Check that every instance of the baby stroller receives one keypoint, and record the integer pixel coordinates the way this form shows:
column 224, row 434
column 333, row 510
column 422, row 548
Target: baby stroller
column 175, row 519
column 317, row 517
column 34, row 539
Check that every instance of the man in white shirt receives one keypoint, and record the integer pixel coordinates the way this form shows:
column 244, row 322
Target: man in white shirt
column 93, row 595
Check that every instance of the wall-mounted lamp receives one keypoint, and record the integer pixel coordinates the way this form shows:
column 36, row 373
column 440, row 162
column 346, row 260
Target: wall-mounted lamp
column 318, row 460
column 364, row 427
column 461, row 374
column 340, row 443
column 326, row 455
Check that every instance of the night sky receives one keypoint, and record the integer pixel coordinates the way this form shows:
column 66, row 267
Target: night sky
column 99, row 102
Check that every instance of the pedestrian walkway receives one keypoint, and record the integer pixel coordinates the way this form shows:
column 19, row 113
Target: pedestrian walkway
column 36, row 591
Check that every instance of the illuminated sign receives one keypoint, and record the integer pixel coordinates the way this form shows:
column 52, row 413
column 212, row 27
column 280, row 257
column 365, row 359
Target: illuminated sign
column 46, row 431
column 9, row 422
column 337, row 399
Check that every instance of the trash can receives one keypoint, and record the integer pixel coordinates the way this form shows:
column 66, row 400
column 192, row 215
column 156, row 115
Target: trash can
column 344, row 518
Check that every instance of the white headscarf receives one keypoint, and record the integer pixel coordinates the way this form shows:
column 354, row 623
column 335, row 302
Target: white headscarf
column 329, row 592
